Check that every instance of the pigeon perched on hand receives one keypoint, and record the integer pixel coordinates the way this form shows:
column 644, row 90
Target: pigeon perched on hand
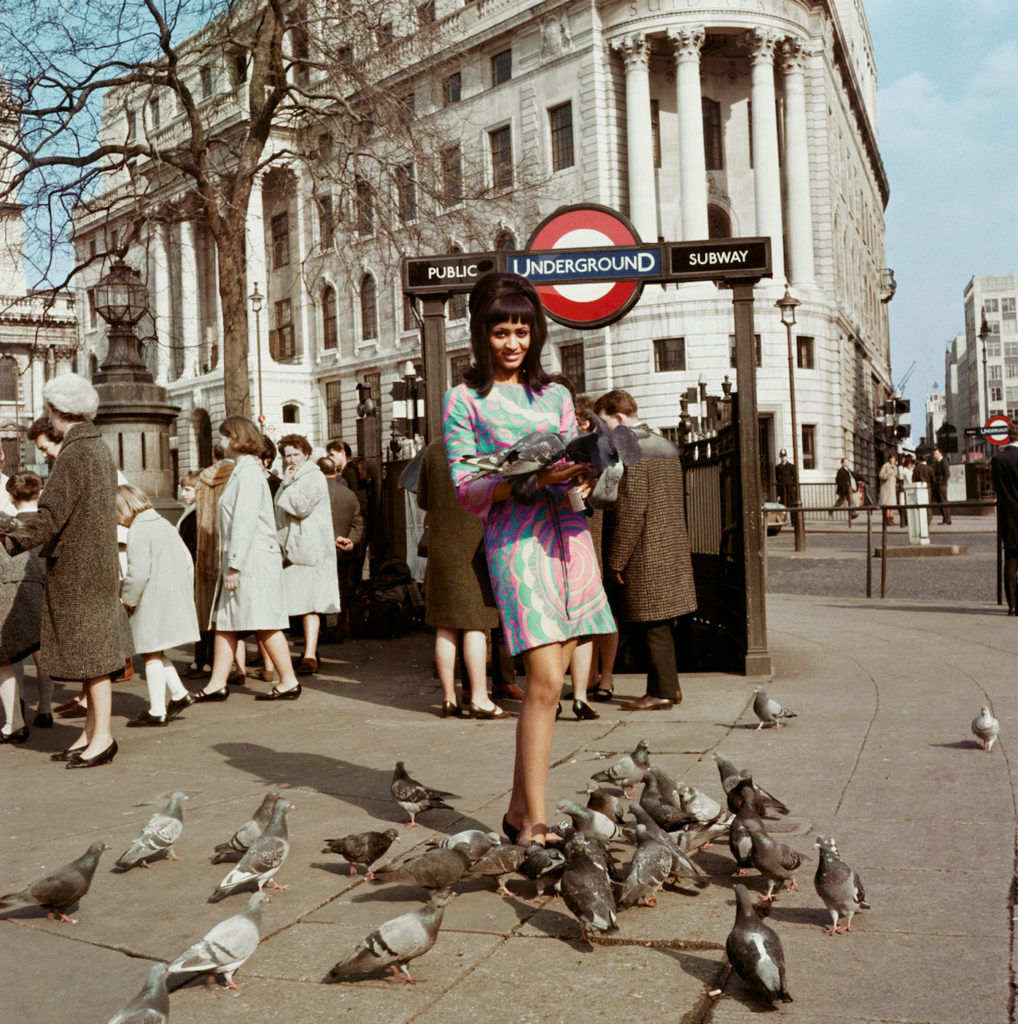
column 227, row 946
column 650, row 866
column 776, row 861
column 151, row 1005
column 587, row 889
column 592, row 824
column 498, row 862
column 58, row 891
column 395, row 943
column 263, row 859
column 607, row 452
column 838, row 886
column 362, row 848
column 770, row 712
column 158, row 835
column 237, row 845
column 985, row 728
column 433, row 869
column 628, row 771
column 754, row 951
column 413, row 797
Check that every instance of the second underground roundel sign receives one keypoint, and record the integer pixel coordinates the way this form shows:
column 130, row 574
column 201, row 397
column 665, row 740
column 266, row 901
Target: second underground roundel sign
column 596, row 303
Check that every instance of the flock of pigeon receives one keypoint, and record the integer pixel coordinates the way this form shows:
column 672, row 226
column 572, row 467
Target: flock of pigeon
column 672, row 822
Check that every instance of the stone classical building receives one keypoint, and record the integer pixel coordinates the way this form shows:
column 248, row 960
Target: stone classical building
column 731, row 119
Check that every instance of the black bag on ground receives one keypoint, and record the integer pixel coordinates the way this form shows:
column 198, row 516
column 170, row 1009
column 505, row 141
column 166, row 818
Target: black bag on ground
column 387, row 605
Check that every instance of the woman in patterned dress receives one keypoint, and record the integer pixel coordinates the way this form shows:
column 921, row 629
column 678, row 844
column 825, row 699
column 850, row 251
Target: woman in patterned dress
column 540, row 557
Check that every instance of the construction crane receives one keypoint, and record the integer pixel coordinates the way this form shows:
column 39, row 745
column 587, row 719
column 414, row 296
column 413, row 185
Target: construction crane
column 904, row 380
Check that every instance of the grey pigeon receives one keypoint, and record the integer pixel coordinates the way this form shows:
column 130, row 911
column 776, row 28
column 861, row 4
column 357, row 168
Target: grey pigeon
column 664, row 812
column 728, row 772
column 706, row 810
column 587, row 890
column 158, row 835
column 433, row 869
column 58, row 891
column 770, row 712
column 227, row 946
column 522, row 462
column 838, row 886
column 650, row 866
column 498, row 862
column 593, row 824
column 237, row 845
column 395, row 943
column 479, row 842
column 682, row 866
column 264, row 858
column 151, row 1005
column 985, row 728
column 362, row 848
column 739, row 841
column 543, row 865
column 667, row 787
column 607, row 452
column 412, row 796
column 601, row 800
column 754, row 951
column 747, row 791
column 774, row 860
column 628, row 771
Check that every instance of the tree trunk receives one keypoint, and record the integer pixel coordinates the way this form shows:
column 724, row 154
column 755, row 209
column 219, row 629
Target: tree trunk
column 233, row 297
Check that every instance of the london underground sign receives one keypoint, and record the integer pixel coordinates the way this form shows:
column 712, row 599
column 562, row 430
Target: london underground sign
column 995, row 430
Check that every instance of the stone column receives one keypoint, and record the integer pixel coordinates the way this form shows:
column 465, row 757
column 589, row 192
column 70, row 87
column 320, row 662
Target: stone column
column 256, row 274
column 800, row 222
column 189, row 314
column 692, row 161
column 635, row 51
column 299, row 297
column 766, row 169
column 160, row 307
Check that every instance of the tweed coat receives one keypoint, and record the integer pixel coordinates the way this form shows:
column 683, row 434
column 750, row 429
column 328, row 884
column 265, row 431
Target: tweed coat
column 208, row 491
column 22, row 579
column 159, row 585
column 347, row 520
column 647, row 542
column 304, row 521
column 247, row 542
column 85, row 633
column 457, row 587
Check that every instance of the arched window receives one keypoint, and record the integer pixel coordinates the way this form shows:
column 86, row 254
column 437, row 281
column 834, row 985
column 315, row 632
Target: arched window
column 713, row 143
column 93, row 366
column 505, row 241
column 369, row 308
column 291, row 413
column 8, row 379
column 719, row 224
column 202, row 427
column 330, row 318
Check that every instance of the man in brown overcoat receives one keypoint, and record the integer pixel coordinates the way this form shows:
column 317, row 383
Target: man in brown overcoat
column 648, row 552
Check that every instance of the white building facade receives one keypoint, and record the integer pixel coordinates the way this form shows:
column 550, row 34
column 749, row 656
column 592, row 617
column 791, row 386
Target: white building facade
column 744, row 118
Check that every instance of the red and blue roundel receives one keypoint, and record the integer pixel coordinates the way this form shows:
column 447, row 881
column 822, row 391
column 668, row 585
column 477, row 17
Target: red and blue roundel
column 594, row 303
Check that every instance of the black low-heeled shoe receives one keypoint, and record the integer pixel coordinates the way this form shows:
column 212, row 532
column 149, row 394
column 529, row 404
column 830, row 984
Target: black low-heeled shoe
column 292, row 694
column 103, row 757
column 511, row 833
column 583, row 712
column 600, row 695
column 207, row 696
column 450, row 709
column 70, row 754
column 18, row 736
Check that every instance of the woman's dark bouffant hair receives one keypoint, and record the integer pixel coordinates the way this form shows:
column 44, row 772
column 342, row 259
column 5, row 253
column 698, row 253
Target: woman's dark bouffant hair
column 501, row 298
column 245, row 437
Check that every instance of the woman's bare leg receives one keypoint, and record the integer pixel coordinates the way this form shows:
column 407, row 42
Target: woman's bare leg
column 312, row 627
column 580, row 665
column 279, row 653
column 475, row 657
column 224, row 649
column 445, row 661
column 98, row 734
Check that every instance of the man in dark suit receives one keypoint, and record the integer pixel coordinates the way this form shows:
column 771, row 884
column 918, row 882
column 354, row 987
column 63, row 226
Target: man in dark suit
column 784, row 477
column 941, row 474
column 348, row 527
column 648, row 555
column 845, row 488
column 1004, row 471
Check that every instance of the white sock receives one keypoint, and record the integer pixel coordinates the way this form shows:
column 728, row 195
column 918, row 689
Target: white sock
column 10, row 698
column 175, row 686
column 155, row 676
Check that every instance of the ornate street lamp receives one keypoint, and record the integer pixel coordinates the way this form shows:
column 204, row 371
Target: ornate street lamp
column 122, row 300
column 256, row 299
column 788, row 305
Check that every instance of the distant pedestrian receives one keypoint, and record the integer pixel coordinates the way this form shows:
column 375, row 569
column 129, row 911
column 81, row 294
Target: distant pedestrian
column 889, row 487
column 1004, row 471
column 941, row 476
column 348, row 528
column 846, row 489
column 784, row 476
column 923, row 474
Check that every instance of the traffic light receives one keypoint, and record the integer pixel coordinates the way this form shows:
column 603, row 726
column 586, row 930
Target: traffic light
column 897, row 417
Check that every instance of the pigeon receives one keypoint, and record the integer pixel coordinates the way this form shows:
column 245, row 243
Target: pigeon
column 682, row 866
column 667, row 787
column 706, row 810
column 985, row 728
column 58, row 891
column 607, row 452
column 664, row 812
column 728, row 772
column 601, row 800
column 151, row 1005
column 774, row 860
column 543, row 865
column 227, row 946
column 769, row 711
column 587, row 890
column 498, row 862
column 838, row 885
column 650, row 866
column 158, row 835
column 395, row 943
column 362, row 848
column 628, row 771
column 754, row 951
column 739, row 841
column 747, row 791
column 237, row 845
column 592, row 824
column 479, row 842
column 263, row 859
column 412, row 796
column 433, row 869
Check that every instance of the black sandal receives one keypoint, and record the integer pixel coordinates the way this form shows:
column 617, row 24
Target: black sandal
column 600, row 695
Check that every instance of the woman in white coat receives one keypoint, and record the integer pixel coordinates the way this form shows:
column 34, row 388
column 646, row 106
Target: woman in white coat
column 249, row 591
column 158, row 595
column 304, row 518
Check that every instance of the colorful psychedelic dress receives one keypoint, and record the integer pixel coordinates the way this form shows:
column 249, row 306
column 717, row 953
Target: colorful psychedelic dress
column 541, row 559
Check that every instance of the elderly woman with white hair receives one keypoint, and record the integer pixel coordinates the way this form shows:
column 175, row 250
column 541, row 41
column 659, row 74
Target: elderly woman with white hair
column 85, row 635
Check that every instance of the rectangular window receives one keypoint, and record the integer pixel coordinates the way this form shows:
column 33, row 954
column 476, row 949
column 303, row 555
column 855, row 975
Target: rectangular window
column 993, row 349
column 326, row 221
column 132, row 125
column 206, row 82
column 731, row 350
column 995, row 371
column 1007, row 309
column 285, row 346
column 996, row 393
column 406, row 188
column 93, row 316
column 365, row 209
column 712, row 134
column 384, row 35
column 334, row 408
column 809, row 446
column 990, row 306
column 1012, row 395
column 669, row 354
column 655, row 130
column 994, row 326
column 457, row 306
column 330, row 319
column 154, row 111
column 573, row 365
column 1012, row 371
column 452, row 175
column 561, row 122
column 280, row 227
column 458, row 365
column 501, row 67
column 804, row 352
column 240, row 68
column 452, row 89
column 501, row 157
column 409, row 320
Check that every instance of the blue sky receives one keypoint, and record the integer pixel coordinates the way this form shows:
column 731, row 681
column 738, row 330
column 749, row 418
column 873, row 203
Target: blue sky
column 948, row 78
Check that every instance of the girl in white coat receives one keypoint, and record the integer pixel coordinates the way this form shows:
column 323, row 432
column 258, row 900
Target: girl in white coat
column 158, row 595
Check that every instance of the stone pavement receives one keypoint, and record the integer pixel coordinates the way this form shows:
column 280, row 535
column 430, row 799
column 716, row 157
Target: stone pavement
column 880, row 756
